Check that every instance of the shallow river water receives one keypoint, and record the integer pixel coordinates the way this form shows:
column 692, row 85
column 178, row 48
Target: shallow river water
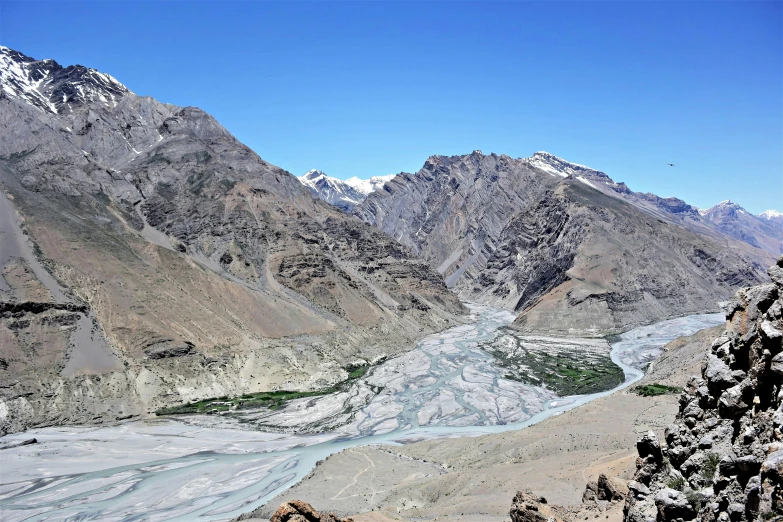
column 191, row 470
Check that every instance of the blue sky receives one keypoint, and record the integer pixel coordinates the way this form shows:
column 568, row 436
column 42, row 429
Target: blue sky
column 376, row 87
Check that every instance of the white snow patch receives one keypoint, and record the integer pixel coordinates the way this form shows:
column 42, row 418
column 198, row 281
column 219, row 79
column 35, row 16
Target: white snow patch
column 771, row 214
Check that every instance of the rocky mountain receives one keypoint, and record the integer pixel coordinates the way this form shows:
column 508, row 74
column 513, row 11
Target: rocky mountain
column 723, row 456
column 764, row 231
column 562, row 244
column 332, row 190
column 342, row 194
column 149, row 258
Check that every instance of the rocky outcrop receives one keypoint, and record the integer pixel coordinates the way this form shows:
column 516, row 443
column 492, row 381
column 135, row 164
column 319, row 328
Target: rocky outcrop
column 602, row 496
column 296, row 511
column 723, row 456
column 570, row 250
column 604, row 489
column 528, row 507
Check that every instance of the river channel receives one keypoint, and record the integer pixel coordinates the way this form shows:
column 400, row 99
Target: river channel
column 215, row 468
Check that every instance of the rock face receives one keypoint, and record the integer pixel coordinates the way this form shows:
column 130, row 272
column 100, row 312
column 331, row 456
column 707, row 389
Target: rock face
column 764, row 231
column 201, row 270
column 723, row 457
column 562, row 244
column 297, row 511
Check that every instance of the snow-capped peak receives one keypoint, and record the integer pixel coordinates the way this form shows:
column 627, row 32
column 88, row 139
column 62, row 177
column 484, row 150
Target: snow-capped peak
column 367, row 186
column 725, row 207
column 50, row 87
column 342, row 194
column 312, row 175
column 770, row 215
column 556, row 166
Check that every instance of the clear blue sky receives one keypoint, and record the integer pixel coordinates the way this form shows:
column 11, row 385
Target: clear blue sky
column 377, row 87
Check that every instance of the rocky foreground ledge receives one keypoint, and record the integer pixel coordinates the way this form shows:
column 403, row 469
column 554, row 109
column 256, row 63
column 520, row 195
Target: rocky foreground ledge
column 723, row 456
column 722, row 459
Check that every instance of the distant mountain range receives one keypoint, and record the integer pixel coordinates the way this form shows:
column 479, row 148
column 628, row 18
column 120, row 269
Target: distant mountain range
column 764, row 231
column 571, row 250
column 343, row 194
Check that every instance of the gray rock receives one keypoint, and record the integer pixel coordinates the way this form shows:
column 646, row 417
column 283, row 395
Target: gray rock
column 638, row 489
column 733, row 454
column 770, row 332
column 776, row 365
column 718, row 373
column 773, row 465
column 672, row 505
column 648, row 445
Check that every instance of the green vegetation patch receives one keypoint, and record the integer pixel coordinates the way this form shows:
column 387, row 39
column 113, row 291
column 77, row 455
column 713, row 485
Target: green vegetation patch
column 651, row 390
column 271, row 400
column 566, row 373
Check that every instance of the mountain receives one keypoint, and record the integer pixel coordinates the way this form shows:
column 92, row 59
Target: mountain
column 569, row 249
column 772, row 215
column 149, row 258
column 366, row 186
column 764, row 231
column 334, row 191
column 342, row 194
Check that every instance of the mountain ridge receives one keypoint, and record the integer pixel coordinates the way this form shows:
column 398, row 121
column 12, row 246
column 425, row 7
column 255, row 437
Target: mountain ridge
column 530, row 235
column 208, row 271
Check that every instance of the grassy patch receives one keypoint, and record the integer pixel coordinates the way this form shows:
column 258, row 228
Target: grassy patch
column 355, row 373
column 271, row 400
column 651, row 390
column 709, row 466
column 677, row 483
column 565, row 373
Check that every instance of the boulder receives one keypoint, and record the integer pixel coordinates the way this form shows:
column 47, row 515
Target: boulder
column 298, row 511
column 648, row 446
column 528, row 507
column 672, row 505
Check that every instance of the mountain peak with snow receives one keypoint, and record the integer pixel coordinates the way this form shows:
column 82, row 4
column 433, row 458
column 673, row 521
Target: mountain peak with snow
column 344, row 194
column 53, row 88
column 772, row 215
column 367, row 186
column 556, row 166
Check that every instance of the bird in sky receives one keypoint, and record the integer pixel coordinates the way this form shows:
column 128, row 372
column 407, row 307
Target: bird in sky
column 670, row 164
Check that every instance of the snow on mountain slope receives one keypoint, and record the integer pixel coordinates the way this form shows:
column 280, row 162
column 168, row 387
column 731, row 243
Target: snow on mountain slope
column 366, row 186
column 342, row 194
column 726, row 218
column 760, row 231
column 772, row 215
column 50, row 87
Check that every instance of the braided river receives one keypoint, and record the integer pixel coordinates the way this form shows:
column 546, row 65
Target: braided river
column 215, row 468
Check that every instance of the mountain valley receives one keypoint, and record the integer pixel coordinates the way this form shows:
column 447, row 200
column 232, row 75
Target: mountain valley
column 187, row 330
